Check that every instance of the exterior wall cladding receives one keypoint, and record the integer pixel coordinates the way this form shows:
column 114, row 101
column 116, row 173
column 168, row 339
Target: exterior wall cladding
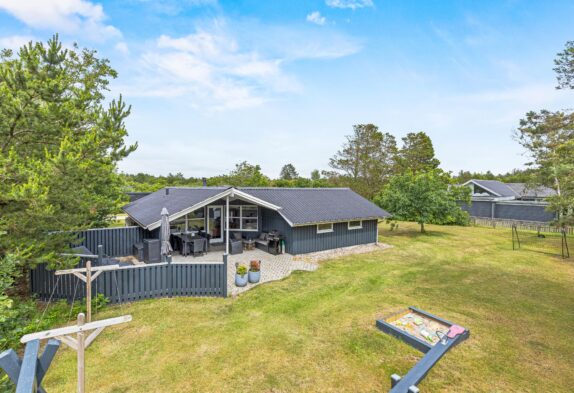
column 509, row 211
column 305, row 239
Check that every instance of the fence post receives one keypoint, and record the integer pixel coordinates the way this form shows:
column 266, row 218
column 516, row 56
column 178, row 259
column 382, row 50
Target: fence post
column 100, row 254
column 170, row 278
column 224, row 275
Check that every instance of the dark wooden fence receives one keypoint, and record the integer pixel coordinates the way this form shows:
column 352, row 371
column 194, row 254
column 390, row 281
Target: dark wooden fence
column 117, row 242
column 131, row 283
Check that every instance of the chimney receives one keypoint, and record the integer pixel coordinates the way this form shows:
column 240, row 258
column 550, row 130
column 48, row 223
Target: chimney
column 204, row 181
column 167, row 191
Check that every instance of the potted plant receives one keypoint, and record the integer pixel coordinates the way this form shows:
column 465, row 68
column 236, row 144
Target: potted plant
column 240, row 275
column 254, row 271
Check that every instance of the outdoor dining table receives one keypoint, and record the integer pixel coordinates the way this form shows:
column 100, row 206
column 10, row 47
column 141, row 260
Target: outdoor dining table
column 183, row 238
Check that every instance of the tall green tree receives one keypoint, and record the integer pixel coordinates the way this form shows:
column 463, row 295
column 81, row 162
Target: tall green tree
column 416, row 154
column 59, row 149
column 60, row 145
column 549, row 139
column 315, row 175
column 365, row 161
column 288, row 172
column 564, row 67
column 513, row 176
column 247, row 175
column 424, row 197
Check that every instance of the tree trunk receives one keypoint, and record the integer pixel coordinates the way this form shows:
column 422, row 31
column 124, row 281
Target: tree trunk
column 422, row 227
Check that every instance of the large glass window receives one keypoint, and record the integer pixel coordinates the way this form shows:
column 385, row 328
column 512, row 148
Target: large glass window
column 196, row 220
column 243, row 218
column 235, row 217
column 177, row 225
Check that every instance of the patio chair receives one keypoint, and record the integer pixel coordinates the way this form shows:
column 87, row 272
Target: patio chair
column 235, row 246
column 207, row 238
column 186, row 245
column 198, row 246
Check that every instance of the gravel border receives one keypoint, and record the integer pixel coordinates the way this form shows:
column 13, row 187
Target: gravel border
column 319, row 256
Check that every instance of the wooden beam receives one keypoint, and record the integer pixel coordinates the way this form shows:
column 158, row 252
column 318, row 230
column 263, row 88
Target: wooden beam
column 89, row 290
column 27, row 382
column 10, row 363
column 83, row 269
column 81, row 352
column 85, row 274
column 46, row 359
column 69, row 341
column 80, row 276
column 74, row 329
column 93, row 335
column 79, row 255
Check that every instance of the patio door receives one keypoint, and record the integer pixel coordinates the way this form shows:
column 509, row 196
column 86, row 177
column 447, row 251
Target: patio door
column 215, row 223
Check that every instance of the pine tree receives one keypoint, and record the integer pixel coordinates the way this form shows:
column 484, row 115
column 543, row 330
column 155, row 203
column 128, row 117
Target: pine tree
column 416, row 154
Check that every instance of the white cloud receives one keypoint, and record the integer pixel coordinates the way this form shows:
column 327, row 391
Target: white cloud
column 122, row 47
column 200, row 43
column 211, row 70
column 315, row 17
column 175, row 7
column 303, row 42
column 67, row 16
column 218, row 68
column 14, row 42
column 352, row 4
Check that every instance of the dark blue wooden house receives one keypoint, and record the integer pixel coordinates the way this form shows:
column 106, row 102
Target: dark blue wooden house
column 494, row 199
column 307, row 219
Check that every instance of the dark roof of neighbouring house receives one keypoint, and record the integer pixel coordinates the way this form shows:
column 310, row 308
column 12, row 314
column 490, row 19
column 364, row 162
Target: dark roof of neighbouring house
column 299, row 206
column 497, row 187
column 525, row 191
column 516, row 190
column 134, row 196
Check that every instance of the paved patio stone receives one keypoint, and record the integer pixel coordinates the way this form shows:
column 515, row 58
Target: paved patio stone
column 275, row 267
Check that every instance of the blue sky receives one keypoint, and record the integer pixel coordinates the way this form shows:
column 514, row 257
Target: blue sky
column 213, row 83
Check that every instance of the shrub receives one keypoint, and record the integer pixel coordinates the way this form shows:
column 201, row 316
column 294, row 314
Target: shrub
column 28, row 316
column 25, row 316
column 241, row 270
column 255, row 266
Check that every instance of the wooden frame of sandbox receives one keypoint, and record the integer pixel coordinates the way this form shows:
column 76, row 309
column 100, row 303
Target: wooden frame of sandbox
column 433, row 352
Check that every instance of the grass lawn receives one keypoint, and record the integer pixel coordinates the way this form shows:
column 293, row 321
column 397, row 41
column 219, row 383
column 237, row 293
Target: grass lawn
column 315, row 331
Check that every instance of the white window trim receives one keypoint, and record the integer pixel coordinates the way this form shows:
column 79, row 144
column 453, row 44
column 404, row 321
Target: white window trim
column 325, row 230
column 350, row 228
column 241, row 218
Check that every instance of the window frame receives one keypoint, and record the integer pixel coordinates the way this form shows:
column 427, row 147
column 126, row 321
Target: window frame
column 319, row 231
column 352, row 228
column 195, row 213
column 241, row 218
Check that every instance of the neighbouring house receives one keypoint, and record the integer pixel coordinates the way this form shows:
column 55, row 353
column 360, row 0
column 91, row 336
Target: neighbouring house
column 512, row 201
column 305, row 219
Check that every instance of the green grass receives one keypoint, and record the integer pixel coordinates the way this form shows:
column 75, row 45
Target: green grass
column 315, row 331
